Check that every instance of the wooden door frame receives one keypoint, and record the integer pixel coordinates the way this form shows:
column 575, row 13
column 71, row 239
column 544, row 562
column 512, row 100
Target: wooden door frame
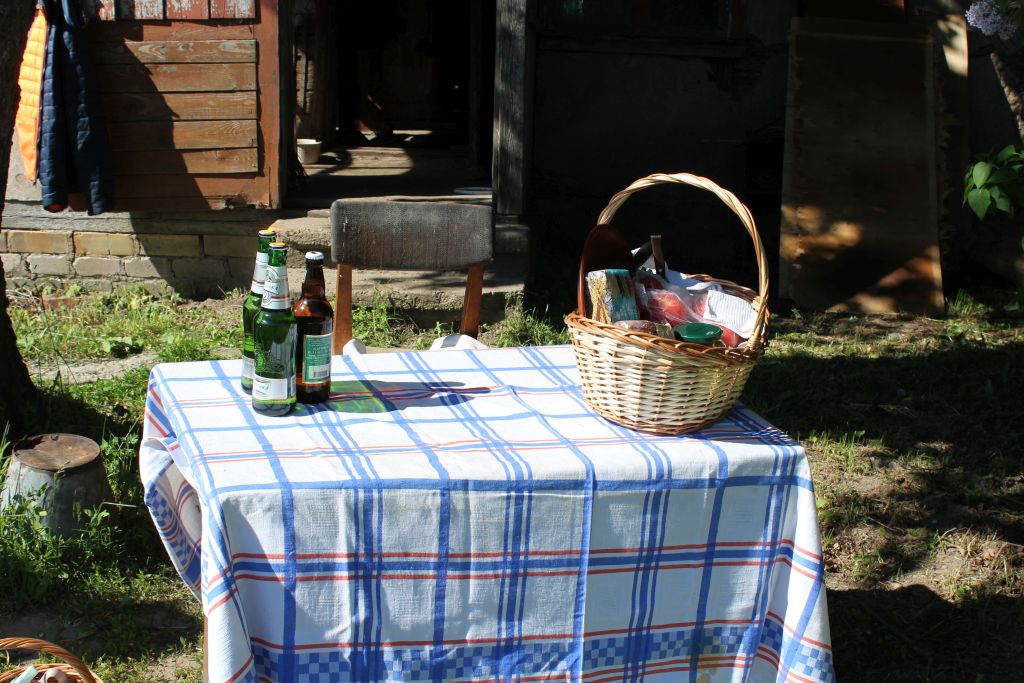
column 515, row 42
column 276, row 98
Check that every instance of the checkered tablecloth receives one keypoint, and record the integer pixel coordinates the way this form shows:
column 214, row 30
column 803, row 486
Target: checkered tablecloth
column 463, row 515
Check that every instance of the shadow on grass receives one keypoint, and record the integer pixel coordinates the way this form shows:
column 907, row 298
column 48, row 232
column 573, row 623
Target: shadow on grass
column 924, row 448
column 109, row 590
column 912, row 634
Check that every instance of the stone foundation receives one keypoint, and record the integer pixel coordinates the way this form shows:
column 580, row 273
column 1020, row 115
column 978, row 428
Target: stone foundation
column 195, row 254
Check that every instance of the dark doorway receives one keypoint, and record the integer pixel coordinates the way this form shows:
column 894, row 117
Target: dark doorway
column 401, row 97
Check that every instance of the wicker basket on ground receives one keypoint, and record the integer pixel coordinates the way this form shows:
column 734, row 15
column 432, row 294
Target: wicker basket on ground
column 73, row 667
column 650, row 383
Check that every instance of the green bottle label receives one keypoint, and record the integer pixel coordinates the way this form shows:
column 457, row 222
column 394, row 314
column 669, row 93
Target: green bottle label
column 316, row 358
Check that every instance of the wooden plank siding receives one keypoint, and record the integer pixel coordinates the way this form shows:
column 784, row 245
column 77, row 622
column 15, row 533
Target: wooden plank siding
column 181, row 135
column 140, row 9
column 187, row 106
column 232, row 9
column 182, row 88
column 120, row 78
column 179, row 51
column 187, row 9
column 203, row 161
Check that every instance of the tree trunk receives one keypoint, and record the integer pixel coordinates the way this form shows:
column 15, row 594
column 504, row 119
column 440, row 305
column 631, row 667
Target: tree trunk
column 18, row 396
column 1010, row 70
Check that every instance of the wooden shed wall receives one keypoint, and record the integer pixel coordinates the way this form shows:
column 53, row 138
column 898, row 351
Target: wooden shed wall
column 193, row 101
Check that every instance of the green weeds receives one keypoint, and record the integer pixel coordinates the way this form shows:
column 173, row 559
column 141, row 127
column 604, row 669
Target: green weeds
column 525, row 328
column 912, row 426
column 378, row 325
column 121, row 323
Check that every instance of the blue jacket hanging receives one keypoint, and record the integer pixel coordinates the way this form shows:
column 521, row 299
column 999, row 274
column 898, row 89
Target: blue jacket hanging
column 74, row 152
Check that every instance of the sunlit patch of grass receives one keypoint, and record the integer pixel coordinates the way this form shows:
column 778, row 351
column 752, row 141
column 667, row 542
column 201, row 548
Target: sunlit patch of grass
column 379, row 325
column 125, row 321
column 522, row 327
column 847, row 450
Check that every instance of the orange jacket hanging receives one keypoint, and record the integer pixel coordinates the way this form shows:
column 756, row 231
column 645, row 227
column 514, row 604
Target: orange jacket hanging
column 30, row 80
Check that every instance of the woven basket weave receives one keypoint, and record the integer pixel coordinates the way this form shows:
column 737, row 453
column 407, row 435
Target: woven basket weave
column 73, row 667
column 659, row 385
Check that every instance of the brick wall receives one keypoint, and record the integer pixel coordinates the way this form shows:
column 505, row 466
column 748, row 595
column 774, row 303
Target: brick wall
column 194, row 253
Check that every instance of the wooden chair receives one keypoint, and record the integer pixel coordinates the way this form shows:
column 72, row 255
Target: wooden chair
column 397, row 235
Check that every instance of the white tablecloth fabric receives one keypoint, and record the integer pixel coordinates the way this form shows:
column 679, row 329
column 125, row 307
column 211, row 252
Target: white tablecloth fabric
column 463, row 515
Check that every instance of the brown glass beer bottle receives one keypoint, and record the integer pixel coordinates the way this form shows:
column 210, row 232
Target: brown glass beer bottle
column 315, row 319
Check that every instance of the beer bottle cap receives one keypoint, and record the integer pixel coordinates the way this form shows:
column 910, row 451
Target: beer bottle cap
column 268, row 231
column 278, row 245
column 314, row 257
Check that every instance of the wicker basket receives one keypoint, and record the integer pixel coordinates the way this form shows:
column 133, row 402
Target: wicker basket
column 73, row 667
column 659, row 385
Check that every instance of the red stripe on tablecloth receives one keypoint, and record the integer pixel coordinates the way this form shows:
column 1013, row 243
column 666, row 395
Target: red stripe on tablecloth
column 805, row 639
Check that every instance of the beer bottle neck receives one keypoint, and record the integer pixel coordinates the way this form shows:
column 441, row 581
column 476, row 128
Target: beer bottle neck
column 313, row 285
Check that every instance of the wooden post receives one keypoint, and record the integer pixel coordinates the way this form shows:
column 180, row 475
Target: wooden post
column 471, row 304
column 267, row 31
column 513, row 111
column 342, row 309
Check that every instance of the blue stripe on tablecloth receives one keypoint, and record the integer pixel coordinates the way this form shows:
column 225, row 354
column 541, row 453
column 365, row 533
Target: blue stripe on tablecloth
column 632, row 656
column 787, row 658
column 377, row 652
column 287, row 663
column 360, row 467
column 771, row 534
column 154, row 408
column 212, row 508
column 649, row 521
column 371, row 629
column 515, row 536
column 437, row 660
column 587, row 487
column 515, row 586
column 789, row 465
column 658, row 557
column 705, row 579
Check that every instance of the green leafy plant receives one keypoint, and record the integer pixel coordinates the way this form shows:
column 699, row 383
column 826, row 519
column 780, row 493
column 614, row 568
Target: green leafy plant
column 996, row 183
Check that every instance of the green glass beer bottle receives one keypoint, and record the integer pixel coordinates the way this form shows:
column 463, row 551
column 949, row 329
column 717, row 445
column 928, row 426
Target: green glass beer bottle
column 273, row 381
column 315, row 319
column 251, row 306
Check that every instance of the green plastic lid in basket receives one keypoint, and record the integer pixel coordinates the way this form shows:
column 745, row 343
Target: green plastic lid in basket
column 699, row 333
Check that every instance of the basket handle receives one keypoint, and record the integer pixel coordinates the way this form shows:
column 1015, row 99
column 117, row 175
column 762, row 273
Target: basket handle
column 730, row 200
column 50, row 649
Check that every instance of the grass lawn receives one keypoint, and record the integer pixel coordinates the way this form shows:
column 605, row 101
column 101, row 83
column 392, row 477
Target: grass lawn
column 912, row 425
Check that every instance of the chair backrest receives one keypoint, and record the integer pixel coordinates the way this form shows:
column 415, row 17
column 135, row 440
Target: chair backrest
column 399, row 235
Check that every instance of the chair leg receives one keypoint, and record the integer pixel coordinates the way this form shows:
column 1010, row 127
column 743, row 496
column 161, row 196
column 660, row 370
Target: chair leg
column 471, row 306
column 342, row 309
